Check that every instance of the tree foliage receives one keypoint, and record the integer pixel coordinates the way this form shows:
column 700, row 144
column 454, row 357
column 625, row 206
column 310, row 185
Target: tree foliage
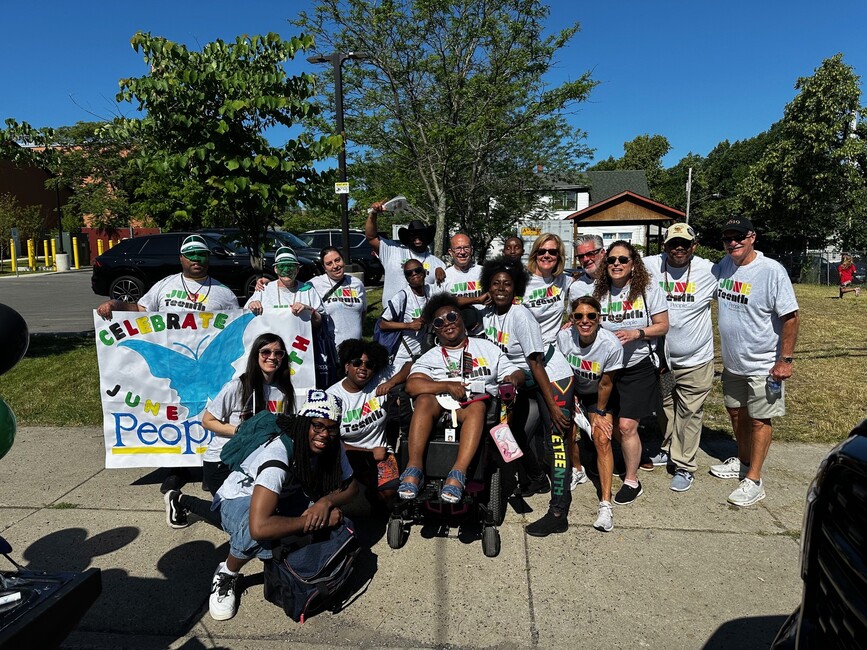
column 451, row 107
column 203, row 146
column 642, row 152
column 26, row 218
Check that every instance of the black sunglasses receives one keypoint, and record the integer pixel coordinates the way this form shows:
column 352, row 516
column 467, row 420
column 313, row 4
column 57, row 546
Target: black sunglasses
column 357, row 363
column 735, row 238
column 553, row 252
column 449, row 317
column 415, row 271
column 593, row 253
column 623, row 259
column 578, row 316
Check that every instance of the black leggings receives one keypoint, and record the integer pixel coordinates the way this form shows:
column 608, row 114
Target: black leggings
column 524, row 423
column 557, row 447
column 214, row 475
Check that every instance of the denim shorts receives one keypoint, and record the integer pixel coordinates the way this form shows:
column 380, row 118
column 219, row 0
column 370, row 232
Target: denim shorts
column 235, row 514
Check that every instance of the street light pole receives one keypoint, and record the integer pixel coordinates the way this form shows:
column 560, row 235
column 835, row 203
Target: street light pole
column 336, row 59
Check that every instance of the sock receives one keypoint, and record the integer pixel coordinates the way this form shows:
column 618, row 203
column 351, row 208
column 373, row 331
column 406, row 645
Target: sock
column 632, row 484
column 223, row 568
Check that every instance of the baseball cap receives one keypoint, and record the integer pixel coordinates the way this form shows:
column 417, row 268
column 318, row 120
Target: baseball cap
column 738, row 224
column 680, row 231
column 285, row 255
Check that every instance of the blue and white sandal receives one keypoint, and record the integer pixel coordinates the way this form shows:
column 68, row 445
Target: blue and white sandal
column 453, row 493
column 407, row 490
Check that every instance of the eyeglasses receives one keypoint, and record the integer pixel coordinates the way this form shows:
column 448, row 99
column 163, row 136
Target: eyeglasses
column 287, row 269
column 415, row 271
column 277, row 354
column 594, row 253
column 578, row 316
column 461, row 248
column 553, row 252
column 449, row 317
column 319, row 427
column 357, row 363
column 197, row 257
column 735, row 238
column 623, row 259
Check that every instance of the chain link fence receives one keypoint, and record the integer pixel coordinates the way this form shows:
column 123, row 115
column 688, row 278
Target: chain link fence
column 821, row 267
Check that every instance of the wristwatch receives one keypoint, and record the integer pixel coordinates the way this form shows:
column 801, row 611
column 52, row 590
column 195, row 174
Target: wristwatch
column 787, row 359
column 600, row 412
column 640, row 334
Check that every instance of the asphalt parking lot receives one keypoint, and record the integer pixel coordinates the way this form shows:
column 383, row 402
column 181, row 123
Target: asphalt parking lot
column 52, row 303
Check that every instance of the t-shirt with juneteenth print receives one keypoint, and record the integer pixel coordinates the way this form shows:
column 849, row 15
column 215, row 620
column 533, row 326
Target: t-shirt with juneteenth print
column 621, row 313
column 545, row 297
column 179, row 294
column 363, row 421
column 412, row 306
column 346, row 305
column 464, row 284
column 393, row 256
column 590, row 362
column 489, row 364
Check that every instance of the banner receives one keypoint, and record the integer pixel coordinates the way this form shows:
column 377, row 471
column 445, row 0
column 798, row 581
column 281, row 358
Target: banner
column 157, row 372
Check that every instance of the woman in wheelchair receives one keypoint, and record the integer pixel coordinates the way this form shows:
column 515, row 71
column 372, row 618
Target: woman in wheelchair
column 449, row 368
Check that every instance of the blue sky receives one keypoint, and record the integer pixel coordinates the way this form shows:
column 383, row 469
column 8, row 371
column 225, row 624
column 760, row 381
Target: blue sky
column 695, row 72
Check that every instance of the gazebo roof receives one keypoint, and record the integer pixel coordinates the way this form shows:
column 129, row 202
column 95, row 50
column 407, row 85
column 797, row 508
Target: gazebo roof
column 627, row 207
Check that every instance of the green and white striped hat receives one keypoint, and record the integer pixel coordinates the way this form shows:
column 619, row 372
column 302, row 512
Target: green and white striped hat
column 194, row 244
column 285, row 255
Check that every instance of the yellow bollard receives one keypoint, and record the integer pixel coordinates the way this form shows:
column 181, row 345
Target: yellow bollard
column 100, row 248
column 110, row 244
column 31, row 255
column 75, row 252
column 54, row 253
column 14, row 255
column 45, row 250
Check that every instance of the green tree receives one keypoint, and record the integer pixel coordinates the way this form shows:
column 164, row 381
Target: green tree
column 26, row 218
column 451, row 107
column 203, row 149
column 809, row 184
column 643, row 152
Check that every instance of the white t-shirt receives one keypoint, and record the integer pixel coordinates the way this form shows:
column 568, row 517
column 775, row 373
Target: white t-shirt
column 519, row 335
column 751, row 300
column 490, row 365
column 591, row 362
column 620, row 313
column 412, row 306
column 393, row 255
column 582, row 286
column 346, row 305
column 464, row 284
column 227, row 407
column 240, row 484
column 689, row 291
column 363, row 422
column 275, row 296
column 179, row 294
column 545, row 298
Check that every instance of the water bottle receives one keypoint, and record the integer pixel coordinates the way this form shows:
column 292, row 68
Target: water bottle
column 775, row 387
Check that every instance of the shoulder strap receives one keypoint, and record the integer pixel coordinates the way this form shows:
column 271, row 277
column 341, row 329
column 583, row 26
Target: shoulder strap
column 272, row 463
column 332, row 290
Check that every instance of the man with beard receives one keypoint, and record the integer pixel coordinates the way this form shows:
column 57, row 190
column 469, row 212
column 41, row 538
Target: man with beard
column 461, row 279
column 590, row 252
column 414, row 242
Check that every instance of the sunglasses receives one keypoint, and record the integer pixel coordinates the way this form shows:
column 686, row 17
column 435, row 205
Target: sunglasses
column 623, row 259
column 553, row 252
column 735, row 238
column 416, row 271
column 319, row 427
column 277, row 354
column 197, row 257
column 287, row 269
column 357, row 363
column 594, row 253
column 678, row 243
column 449, row 317
column 578, row 316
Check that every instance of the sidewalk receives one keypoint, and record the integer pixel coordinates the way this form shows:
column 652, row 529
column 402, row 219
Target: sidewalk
column 678, row 571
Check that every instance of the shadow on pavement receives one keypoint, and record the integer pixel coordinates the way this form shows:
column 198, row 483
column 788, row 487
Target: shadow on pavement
column 748, row 633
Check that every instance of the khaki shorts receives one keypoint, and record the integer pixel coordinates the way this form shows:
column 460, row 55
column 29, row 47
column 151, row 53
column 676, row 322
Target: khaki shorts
column 752, row 393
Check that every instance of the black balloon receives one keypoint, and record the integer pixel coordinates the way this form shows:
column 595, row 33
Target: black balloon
column 14, row 336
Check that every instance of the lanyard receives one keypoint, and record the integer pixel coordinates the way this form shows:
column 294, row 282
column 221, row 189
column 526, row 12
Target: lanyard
column 452, row 370
column 665, row 270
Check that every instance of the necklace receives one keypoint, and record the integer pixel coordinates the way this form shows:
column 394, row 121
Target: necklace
column 279, row 291
column 453, row 369
column 618, row 318
column 667, row 285
column 192, row 296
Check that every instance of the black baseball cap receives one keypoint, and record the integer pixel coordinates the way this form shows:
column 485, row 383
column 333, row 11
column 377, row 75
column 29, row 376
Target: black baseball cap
column 738, row 224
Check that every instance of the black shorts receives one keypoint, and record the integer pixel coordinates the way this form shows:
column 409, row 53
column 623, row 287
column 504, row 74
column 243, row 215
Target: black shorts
column 636, row 392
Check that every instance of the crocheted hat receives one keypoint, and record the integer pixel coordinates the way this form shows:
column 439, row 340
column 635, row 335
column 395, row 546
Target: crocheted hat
column 320, row 404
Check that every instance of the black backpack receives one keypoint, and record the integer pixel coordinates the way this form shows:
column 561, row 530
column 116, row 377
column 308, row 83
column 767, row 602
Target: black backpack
column 307, row 572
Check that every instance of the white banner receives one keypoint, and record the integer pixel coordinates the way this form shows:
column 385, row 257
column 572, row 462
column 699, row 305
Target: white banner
column 158, row 370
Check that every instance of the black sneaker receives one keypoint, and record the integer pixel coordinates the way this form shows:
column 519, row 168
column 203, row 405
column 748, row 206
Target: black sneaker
column 539, row 485
column 627, row 494
column 548, row 524
column 176, row 479
column 176, row 516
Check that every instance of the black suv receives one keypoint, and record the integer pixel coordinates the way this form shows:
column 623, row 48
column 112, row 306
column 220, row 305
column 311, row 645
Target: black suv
column 833, row 611
column 360, row 249
column 129, row 269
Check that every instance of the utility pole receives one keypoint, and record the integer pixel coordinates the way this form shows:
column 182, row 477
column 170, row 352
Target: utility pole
column 688, row 192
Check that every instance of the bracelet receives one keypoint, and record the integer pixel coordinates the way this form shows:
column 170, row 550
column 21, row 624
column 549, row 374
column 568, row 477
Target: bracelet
column 640, row 334
column 602, row 412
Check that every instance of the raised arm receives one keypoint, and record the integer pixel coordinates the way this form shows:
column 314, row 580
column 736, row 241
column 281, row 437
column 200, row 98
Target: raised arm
column 371, row 232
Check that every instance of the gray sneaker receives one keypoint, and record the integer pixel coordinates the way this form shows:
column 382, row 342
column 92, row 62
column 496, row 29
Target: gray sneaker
column 579, row 477
column 605, row 520
column 681, row 481
column 732, row 468
column 747, row 493
column 661, row 459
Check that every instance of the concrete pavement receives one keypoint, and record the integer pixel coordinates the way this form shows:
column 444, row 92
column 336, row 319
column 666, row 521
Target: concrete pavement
column 678, row 571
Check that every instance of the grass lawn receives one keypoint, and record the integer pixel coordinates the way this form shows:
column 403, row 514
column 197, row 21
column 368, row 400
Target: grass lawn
column 56, row 384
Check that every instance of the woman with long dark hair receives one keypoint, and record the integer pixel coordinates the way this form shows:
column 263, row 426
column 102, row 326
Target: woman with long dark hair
column 634, row 309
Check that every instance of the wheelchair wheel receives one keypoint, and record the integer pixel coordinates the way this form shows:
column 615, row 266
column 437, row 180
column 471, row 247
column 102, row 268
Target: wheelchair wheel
column 395, row 534
column 490, row 541
column 496, row 498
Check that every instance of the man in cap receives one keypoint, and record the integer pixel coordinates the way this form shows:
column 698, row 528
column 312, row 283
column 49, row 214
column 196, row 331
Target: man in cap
column 689, row 286
column 758, row 326
column 590, row 251
column 461, row 279
column 414, row 242
column 190, row 290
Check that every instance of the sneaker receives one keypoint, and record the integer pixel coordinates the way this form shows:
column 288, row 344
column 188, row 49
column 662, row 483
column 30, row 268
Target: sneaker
column 579, row 476
column 732, row 468
column 540, row 485
column 747, row 493
column 645, row 465
column 223, row 604
column 175, row 480
column 605, row 520
column 660, row 459
column 682, row 480
column 176, row 516
column 857, row 291
column 627, row 494
column 548, row 524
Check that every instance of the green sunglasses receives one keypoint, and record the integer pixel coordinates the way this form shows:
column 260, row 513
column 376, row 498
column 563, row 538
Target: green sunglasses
column 287, row 269
column 197, row 257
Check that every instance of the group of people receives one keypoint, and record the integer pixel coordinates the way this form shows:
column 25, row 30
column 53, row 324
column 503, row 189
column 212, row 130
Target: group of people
column 585, row 354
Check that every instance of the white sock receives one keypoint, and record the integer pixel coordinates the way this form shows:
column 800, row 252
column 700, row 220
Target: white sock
column 223, row 568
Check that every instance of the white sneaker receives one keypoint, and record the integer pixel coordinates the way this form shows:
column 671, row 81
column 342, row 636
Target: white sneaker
column 732, row 468
column 605, row 520
column 223, row 603
column 747, row 493
column 579, row 476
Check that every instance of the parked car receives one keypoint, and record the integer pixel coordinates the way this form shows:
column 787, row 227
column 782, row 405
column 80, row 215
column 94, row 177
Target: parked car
column 129, row 269
column 359, row 248
column 274, row 239
column 833, row 610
